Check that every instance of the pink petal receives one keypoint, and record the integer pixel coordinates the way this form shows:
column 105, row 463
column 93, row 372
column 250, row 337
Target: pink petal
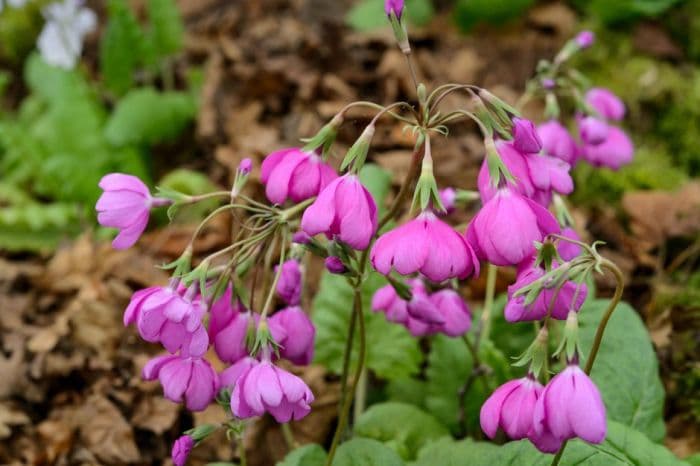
column 319, row 216
column 120, row 181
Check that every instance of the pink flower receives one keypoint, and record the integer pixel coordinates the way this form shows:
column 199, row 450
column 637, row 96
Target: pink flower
column 593, row 130
column 229, row 377
column 394, row 6
column 557, row 142
column 294, row 174
column 344, row 210
column 617, row 150
column 334, row 264
column 607, row 104
column 517, row 165
column 246, row 166
column 181, row 450
column 505, row 229
column 511, row 407
column 448, row 197
column 525, row 138
column 152, row 309
column 427, row 245
column 545, row 441
column 548, row 175
column 397, row 310
column 454, row 310
column 265, row 387
column 289, row 283
column 297, row 338
column 517, row 311
column 125, row 204
column 570, row 406
column 187, row 379
column 585, row 39
column 229, row 339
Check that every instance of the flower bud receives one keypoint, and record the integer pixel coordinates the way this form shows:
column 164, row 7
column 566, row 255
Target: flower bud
column 395, row 7
column 181, row 450
column 335, row 265
column 585, row 39
column 245, row 166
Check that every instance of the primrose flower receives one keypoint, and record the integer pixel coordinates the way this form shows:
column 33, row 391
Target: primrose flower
column 394, row 6
column 525, row 138
column 427, row 245
column 188, row 379
column 557, row 141
column 289, row 283
column 61, row 41
column 344, row 210
column 125, row 204
column 181, row 450
column 585, row 39
column 294, row 174
column 570, row 406
column 617, row 150
column 511, row 408
column 264, row 387
column 504, row 231
column 297, row 341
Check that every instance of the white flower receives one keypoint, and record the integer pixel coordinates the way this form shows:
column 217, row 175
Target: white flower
column 61, row 40
column 13, row 3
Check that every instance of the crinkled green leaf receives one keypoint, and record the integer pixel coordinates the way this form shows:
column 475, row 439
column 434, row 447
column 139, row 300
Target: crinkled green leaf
column 402, row 427
column 626, row 369
column 307, row 455
column 120, row 45
column 449, row 452
column 167, row 30
column 146, row 117
column 407, row 390
column 192, row 183
column 365, row 452
column 391, row 351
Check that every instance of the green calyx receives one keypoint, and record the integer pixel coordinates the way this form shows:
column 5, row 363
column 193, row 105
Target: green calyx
column 536, row 354
column 325, row 137
column 569, row 344
column 357, row 154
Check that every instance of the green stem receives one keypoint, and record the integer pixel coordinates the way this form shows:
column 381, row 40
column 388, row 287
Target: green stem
column 288, row 436
column 346, row 359
column 241, row 452
column 485, row 321
column 345, row 410
column 360, row 395
column 619, row 287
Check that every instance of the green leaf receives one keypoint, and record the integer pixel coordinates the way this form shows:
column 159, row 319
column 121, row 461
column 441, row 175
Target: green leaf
column 622, row 447
column 448, row 452
column 402, row 427
column 378, row 183
column 626, row 10
column 307, row 455
column 119, row 47
column 626, row 369
column 146, row 117
column 469, row 13
column 30, row 226
column 391, row 351
column 365, row 452
column 450, row 364
column 167, row 29
column 407, row 390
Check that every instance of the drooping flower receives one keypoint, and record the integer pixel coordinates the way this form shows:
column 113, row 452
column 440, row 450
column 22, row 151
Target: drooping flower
column 567, row 299
column 230, row 335
column 593, row 130
column 585, row 39
column 525, row 138
column 191, row 380
column 549, row 175
column 516, row 163
column 570, row 406
column 125, row 204
column 265, row 387
column 511, row 408
column 617, row 150
column 557, row 142
column 334, row 264
column 67, row 24
column 394, row 6
column 294, row 174
column 344, row 210
column 386, row 300
column 454, row 311
column 504, row 231
column 289, row 283
column 606, row 103
column 229, row 376
column 297, row 341
column 427, row 245
column 181, row 450
column 566, row 249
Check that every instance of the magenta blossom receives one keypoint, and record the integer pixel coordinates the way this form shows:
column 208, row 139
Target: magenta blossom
column 125, row 204
column 557, row 142
column 297, row 339
column 504, row 231
column 334, row 264
column 593, row 130
column 230, row 340
column 567, row 299
column 265, row 387
column 457, row 318
column 246, row 166
column 397, row 310
column 548, row 175
column 570, row 406
column 511, row 407
column 187, row 379
column 394, row 6
column 516, row 163
column 608, row 105
column 344, row 210
column 525, row 138
column 427, row 245
column 567, row 250
column 181, row 450
column 229, row 377
column 617, row 150
column 294, row 174
column 289, row 283
column 585, row 39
